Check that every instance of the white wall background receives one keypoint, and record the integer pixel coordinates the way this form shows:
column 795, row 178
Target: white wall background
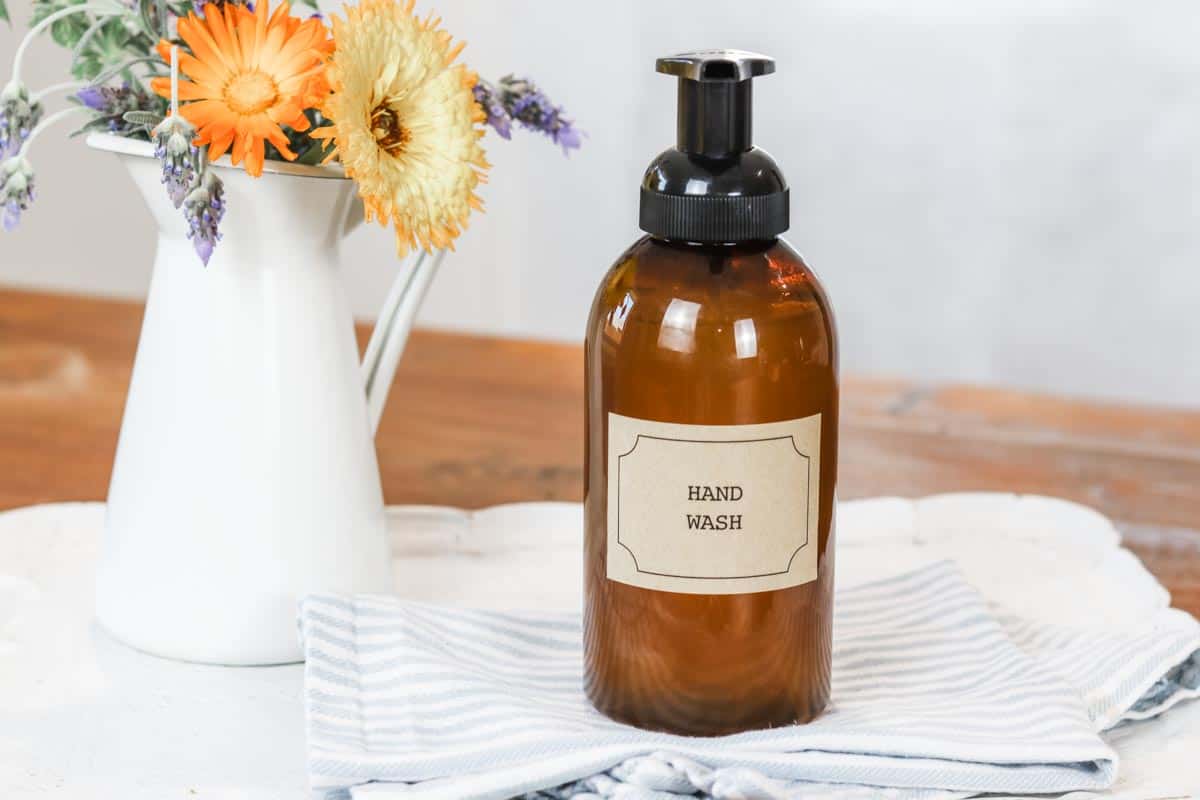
column 997, row 191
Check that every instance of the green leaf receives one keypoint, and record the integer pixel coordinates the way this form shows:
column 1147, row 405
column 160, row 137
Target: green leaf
column 66, row 31
column 44, row 8
column 4, row 11
column 313, row 154
column 106, row 47
column 72, row 32
column 147, row 119
column 69, row 30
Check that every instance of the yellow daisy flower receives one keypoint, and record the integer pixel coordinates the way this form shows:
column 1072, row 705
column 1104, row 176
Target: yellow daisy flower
column 405, row 124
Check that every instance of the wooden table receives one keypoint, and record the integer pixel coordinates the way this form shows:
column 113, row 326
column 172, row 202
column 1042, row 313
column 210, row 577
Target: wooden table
column 476, row 421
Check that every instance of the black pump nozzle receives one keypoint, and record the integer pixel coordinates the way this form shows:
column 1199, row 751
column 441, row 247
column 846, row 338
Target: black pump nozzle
column 714, row 186
column 715, row 114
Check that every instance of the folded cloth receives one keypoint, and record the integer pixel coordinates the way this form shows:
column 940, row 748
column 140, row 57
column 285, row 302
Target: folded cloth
column 932, row 697
column 1121, row 675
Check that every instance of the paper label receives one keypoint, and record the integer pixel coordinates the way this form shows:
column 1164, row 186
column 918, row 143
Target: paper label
column 713, row 509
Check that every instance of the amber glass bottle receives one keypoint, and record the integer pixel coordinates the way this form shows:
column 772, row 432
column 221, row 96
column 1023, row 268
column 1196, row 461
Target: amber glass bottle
column 711, row 448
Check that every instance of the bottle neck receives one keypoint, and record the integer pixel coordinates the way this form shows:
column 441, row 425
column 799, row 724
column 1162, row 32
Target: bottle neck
column 748, row 246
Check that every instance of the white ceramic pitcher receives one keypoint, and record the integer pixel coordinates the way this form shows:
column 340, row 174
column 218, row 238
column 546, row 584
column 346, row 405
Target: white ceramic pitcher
column 245, row 474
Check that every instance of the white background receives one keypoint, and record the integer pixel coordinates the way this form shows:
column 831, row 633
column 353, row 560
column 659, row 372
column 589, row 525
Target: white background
column 996, row 192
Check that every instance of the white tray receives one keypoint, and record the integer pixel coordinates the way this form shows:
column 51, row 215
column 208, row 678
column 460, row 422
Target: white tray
column 83, row 717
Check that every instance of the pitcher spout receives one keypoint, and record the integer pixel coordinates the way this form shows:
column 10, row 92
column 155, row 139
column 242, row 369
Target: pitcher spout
column 395, row 322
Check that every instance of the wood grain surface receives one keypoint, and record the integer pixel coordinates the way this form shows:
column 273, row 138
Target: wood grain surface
column 474, row 421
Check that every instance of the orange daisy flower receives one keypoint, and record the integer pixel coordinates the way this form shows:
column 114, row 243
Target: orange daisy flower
column 250, row 74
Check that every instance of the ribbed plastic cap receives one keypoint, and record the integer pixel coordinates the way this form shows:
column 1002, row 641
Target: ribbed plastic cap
column 714, row 219
column 714, row 186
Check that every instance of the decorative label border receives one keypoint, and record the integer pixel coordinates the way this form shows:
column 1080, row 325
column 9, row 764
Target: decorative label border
column 807, row 506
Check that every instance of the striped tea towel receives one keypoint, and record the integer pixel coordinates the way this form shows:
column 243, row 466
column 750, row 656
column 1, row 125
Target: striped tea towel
column 931, row 698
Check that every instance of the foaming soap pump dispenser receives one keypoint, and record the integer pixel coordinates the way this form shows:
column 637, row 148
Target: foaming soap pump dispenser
column 711, row 446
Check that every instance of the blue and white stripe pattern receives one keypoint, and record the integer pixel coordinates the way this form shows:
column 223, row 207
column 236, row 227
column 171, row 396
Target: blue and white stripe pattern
column 1120, row 675
column 933, row 696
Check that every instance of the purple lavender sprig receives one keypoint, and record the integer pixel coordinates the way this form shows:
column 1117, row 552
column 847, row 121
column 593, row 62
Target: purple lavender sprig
column 180, row 158
column 519, row 99
column 112, row 103
column 203, row 209
column 492, row 103
column 16, row 189
column 190, row 183
column 19, row 114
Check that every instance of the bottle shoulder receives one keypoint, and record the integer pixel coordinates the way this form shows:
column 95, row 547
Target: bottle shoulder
column 689, row 296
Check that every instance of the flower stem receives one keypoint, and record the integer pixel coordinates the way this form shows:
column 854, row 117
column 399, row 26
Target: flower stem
column 100, row 8
column 104, row 77
column 46, row 123
column 202, row 160
column 174, row 79
column 65, row 86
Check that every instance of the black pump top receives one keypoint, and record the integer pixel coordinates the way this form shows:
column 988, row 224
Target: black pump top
column 714, row 186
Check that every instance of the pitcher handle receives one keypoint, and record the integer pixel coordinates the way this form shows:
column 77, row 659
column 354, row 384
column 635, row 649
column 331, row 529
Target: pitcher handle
column 392, row 328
